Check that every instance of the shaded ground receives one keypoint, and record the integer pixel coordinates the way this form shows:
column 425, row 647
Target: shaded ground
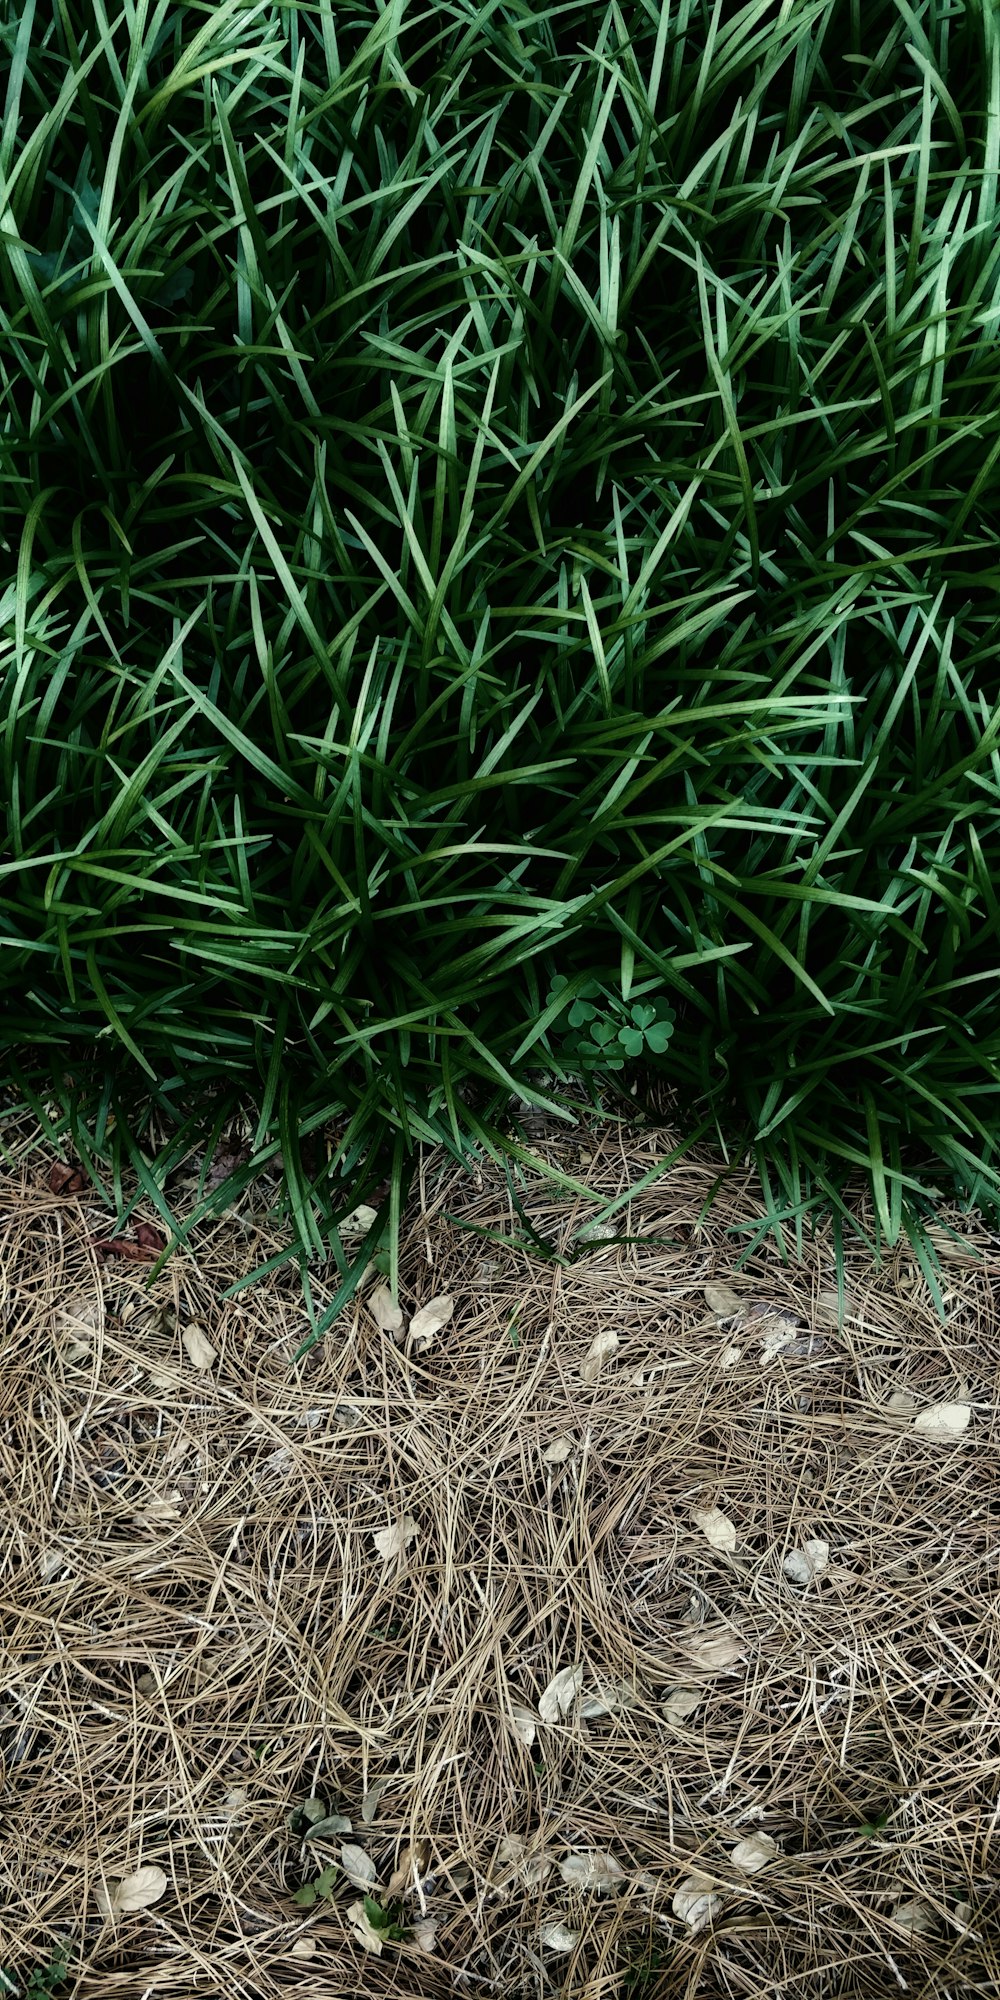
column 200, row 1632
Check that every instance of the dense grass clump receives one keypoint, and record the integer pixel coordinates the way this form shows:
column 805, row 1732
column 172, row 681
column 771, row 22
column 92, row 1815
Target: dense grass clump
column 497, row 497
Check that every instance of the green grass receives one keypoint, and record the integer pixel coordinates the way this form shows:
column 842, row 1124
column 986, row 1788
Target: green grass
column 493, row 495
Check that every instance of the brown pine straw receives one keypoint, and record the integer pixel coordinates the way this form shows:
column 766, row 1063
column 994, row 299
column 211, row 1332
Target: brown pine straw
column 198, row 1632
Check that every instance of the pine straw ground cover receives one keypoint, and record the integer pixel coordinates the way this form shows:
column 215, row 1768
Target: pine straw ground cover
column 201, row 1633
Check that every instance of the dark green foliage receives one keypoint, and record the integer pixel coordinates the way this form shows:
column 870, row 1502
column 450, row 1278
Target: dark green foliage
column 314, row 1891
column 44, row 1979
column 490, row 493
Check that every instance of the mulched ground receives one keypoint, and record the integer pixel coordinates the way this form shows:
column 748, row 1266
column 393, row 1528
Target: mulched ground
column 627, row 1627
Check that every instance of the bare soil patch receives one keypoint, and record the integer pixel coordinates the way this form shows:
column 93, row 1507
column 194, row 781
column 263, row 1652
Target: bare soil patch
column 651, row 1604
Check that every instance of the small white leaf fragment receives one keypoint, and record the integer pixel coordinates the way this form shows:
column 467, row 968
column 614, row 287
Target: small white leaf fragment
column 162, row 1507
column 902, row 1403
column 722, row 1301
column 561, row 1693
column 777, row 1334
column 597, row 1232
column 681, row 1703
column 719, row 1531
column 364, row 1930
column 522, row 1722
column 557, row 1936
column 357, row 1866
column 715, row 1648
column 395, row 1541
column 304, row 1947
column 428, row 1322
column 524, row 1859
column 599, row 1351
column 424, row 1935
column 197, row 1346
column 591, row 1870
column 610, row 1698
column 914, row 1916
column 729, row 1357
column 278, row 1460
column 754, row 1852
column 943, row 1420
column 385, row 1311
column 696, row 1903
column 137, row 1892
column 804, row 1564
column 558, row 1451
column 372, row 1799
column 359, row 1221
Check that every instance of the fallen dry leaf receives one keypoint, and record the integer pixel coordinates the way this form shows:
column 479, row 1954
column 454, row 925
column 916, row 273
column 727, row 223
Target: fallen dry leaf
column 914, row 1916
column 714, row 1648
column 522, row 1722
column 411, row 1865
column 278, row 1460
column 385, row 1311
column 729, row 1357
column 395, row 1541
column 424, row 1935
column 723, row 1301
column 66, row 1180
column 521, row 1858
column 558, row 1451
column 357, row 1866
column 561, row 1693
column 902, row 1403
column 364, row 1930
column 150, row 1238
column 123, row 1246
column 599, row 1351
column 804, row 1564
column 943, row 1420
column 136, row 1892
column 591, row 1870
column 304, row 1948
column 696, row 1903
column 197, row 1346
column 557, row 1936
column 776, row 1339
column 681, row 1703
column 754, row 1852
column 719, row 1531
column 428, row 1322
column 805, row 1347
column 373, row 1798
column 611, row 1698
